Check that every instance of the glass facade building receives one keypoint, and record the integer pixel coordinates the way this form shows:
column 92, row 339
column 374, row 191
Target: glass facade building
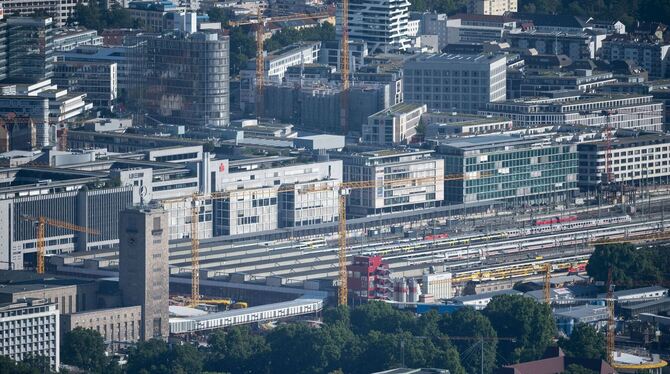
column 30, row 54
column 499, row 167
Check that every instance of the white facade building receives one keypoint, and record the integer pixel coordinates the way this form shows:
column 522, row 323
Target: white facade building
column 395, row 125
column 393, row 192
column 272, row 192
column 438, row 285
column 60, row 10
column 639, row 112
column 492, row 7
column 30, row 328
column 455, row 82
column 382, row 24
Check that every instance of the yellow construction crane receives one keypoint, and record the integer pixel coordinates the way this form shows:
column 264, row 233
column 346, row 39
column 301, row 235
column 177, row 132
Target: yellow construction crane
column 259, row 23
column 547, row 284
column 41, row 222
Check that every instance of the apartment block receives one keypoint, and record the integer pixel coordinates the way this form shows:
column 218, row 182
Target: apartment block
column 60, row 10
column 651, row 55
column 395, row 125
column 617, row 111
column 635, row 160
column 503, row 167
column 381, row 24
column 577, row 46
column 448, row 82
column 405, row 180
column 30, row 327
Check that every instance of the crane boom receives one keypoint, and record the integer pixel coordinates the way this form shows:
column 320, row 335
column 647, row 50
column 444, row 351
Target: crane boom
column 42, row 222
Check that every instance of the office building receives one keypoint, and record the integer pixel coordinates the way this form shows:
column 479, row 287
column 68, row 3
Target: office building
column 395, row 125
column 649, row 54
column 30, row 54
column 441, row 125
column 392, row 169
column 447, row 82
column 3, row 47
column 60, row 10
column 506, row 168
column 30, row 327
column 98, row 80
column 635, row 160
column 492, row 7
column 143, row 267
column 186, row 78
column 69, row 39
column 330, row 53
column 80, row 197
column 577, row 46
column 381, row 24
column 537, row 82
column 276, row 64
column 285, row 193
column 618, row 111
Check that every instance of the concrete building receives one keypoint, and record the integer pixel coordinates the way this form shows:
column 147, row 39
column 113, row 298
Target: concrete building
column 437, row 285
column 276, row 64
column 577, row 46
column 478, row 28
column 152, row 15
column 285, row 194
column 98, row 80
column 60, row 10
column 639, row 112
column 391, row 169
column 492, row 7
column 447, row 82
column 330, row 54
column 651, row 55
column 635, row 160
column 433, row 24
column 381, row 24
column 143, row 267
column 186, row 78
column 395, row 125
column 30, row 53
column 115, row 325
column 593, row 315
column 30, row 327
column 502, row 167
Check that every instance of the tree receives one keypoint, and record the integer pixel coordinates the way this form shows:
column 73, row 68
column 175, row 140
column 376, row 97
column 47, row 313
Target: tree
column 298, row 348
column 155, row 356
column 631, row 267
column 30, row 365
column 577, row 369
column 236, row 350
column 220, row 15
column 85, row 349
column 584, row 342
column 468, row 322
column 379, row 316
column 526, row 320
column 96, row 16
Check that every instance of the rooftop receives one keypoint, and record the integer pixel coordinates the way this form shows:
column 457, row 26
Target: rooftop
column 637, row 291
column 582, row 311
column 450, row 58
column 486, row 295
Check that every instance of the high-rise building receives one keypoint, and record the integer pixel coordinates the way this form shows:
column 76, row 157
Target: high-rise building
column 30, row 328
column 143, row 267
column 449, row 82
column 186, row 78
column 492, row 7
column 382, row 24
column 30, row 54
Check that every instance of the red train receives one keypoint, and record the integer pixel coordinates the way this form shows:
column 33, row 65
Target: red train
column 576, row 269
column 555, row 220
column 436, row 236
